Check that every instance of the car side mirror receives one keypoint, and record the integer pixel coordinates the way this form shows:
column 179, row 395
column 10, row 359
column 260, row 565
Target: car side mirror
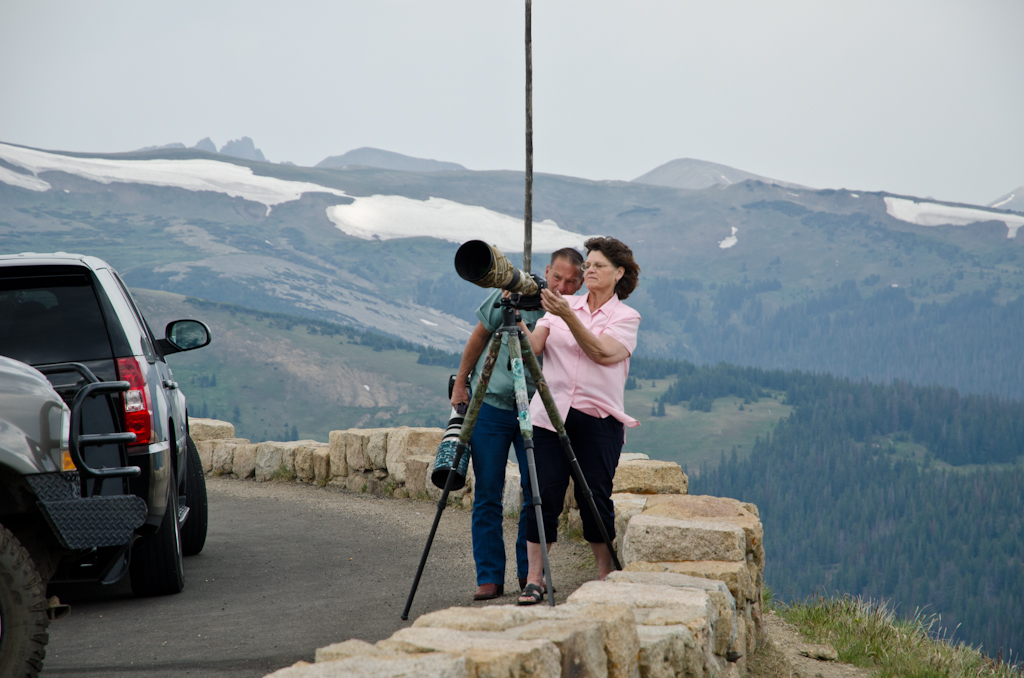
column 185, row 335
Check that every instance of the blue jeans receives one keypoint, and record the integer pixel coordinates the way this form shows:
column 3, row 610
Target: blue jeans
column 496, row 429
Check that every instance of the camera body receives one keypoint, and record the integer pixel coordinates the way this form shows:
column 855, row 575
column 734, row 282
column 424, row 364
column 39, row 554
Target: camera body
column 530, row 302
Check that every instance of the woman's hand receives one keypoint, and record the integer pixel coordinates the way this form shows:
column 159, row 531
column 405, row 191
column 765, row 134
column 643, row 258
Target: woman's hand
column 555, row 304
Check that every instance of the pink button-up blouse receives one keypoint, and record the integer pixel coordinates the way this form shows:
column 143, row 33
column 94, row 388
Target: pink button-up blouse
column 574, row 379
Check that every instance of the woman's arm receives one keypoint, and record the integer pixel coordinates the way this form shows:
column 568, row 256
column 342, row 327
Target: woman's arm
column 538, row 338
column 603, row 350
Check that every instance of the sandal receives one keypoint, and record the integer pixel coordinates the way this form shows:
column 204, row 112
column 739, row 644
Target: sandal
column 531, row 595
column 522, row 585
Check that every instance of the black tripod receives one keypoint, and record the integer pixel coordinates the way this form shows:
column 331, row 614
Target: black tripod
column 520, row 354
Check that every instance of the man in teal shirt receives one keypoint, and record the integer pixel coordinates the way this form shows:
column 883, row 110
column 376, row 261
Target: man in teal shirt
column 497, row 428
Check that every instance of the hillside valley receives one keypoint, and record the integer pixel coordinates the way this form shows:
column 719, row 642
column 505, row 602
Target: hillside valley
column 852, row 283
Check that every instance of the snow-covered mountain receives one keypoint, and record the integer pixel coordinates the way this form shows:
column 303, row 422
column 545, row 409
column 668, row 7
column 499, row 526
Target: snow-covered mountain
column 374, row 248
column 376, row 217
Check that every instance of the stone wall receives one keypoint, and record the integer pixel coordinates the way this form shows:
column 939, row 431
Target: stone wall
column 688, row 602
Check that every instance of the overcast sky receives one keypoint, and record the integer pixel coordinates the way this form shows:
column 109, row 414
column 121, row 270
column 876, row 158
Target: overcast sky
column 922, row 97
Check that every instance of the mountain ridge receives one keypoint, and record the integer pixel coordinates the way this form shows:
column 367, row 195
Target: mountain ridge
column 693, row 174
column 718, row 263
column 375, row 157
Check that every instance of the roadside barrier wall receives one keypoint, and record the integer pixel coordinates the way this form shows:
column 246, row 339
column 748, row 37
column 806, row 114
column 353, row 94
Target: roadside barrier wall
column 687, row 603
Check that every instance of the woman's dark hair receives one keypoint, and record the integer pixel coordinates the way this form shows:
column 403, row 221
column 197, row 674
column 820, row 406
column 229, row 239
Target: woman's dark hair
column 620, row 255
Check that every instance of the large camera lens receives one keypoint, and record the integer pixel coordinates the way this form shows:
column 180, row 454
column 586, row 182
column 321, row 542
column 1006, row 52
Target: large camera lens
column 484, row 265
column 474, row 260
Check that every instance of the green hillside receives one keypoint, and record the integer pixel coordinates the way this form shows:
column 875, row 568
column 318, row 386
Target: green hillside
column 693, row 438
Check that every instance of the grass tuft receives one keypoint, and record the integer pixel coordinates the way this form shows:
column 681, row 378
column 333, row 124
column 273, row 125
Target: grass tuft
column 869, row 634
column 282, row 473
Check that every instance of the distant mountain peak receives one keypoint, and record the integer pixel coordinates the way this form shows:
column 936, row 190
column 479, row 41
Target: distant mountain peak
column 1014, row 200
column 161, row 147
column 206, row 144
column 375, row 157
column 243, row 148
column 697, row 174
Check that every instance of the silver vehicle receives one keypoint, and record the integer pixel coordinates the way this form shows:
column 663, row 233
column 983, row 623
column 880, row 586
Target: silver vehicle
column 98, row 476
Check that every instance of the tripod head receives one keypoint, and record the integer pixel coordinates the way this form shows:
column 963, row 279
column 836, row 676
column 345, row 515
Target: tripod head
column 529, row 302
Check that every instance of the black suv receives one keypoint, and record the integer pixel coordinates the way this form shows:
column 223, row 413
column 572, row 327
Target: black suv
column 128, row 495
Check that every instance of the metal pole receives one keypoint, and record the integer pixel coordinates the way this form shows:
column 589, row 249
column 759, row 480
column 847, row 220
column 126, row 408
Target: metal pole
column 528, row 211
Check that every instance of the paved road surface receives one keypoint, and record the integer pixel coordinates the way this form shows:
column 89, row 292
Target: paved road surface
column 287, row 568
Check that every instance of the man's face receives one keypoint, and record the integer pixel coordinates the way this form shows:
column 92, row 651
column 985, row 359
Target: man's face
column 563, row 276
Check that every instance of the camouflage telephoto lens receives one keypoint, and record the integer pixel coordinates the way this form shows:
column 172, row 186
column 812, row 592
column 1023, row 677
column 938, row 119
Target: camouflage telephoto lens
column 485, row 265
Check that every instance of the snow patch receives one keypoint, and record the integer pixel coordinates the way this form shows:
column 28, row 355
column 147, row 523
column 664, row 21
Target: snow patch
column 379, row 217
column 23, row 180
column 854, row 195
column 730, row 241
column 392, row 216
column 1003, row 202
column 934, row 214
column 192, row 175
column 427, row 322
column 366, row 387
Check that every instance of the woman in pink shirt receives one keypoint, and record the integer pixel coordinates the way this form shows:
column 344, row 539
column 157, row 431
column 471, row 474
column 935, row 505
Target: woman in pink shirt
column 586, row 342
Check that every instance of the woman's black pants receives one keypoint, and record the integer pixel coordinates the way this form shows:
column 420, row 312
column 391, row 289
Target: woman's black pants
column 597, row 444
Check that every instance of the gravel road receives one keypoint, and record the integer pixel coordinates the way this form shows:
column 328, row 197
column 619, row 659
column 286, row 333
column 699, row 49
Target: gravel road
column 287, row 568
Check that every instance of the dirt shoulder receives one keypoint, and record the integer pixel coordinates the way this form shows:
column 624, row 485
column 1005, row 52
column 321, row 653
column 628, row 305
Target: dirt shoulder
column 787, row 654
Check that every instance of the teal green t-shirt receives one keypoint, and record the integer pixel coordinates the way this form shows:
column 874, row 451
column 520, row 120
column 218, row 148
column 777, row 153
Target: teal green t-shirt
column 500, row 391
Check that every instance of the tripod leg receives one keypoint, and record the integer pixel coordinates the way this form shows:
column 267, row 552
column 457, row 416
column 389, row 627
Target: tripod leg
column 556, row 418
column 441, row 504
column 464, row 436
column 526, row 428
column 481, row 389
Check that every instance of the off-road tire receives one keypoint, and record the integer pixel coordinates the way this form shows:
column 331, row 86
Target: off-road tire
column 156, row 568
column 23, row 621
column 193, row 533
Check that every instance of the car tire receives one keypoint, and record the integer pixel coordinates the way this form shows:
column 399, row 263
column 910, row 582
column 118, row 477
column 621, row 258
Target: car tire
column 193, row 533
column 156, row 568
column 23, row 620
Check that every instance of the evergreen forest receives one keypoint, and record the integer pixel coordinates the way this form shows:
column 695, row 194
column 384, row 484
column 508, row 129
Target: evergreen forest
column 970, row 341
column 911, row 494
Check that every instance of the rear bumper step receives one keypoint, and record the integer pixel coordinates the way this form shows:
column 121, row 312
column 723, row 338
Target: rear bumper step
column 91, row 522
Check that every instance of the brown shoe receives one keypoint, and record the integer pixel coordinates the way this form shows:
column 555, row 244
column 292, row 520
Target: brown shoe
column 489, row 592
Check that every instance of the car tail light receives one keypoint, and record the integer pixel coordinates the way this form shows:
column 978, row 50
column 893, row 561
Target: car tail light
column 66, row 462
column 138, row 415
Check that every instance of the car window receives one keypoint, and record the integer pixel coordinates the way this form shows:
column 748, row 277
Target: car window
column 51, row 319
column 138, row 338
